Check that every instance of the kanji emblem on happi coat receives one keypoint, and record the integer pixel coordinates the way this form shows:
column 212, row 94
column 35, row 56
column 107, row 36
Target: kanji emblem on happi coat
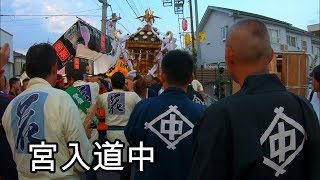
column 174, row 127
column 281, row 135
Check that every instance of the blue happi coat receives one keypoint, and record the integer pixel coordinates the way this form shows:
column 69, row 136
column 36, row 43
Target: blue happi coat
column 165, row 123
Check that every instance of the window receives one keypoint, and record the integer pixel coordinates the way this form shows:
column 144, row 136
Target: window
column 224, row 32
column 292, row 41
column 274, row 35
column 304, row 45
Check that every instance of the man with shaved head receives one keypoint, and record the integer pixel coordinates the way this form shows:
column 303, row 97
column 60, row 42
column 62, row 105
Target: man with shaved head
column 248, row 50
column 261, row 132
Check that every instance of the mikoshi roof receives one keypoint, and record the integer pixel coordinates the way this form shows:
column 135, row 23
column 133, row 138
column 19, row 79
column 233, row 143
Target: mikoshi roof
column 144, row 38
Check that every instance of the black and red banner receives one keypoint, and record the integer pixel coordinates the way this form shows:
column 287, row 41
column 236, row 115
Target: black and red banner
column 80, row 32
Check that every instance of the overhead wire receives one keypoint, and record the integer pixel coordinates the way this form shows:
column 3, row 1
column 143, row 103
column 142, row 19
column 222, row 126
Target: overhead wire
column 135, row 14
column 46, row 16
column 135, row 7
column 132, row 8
column 96, row 3
column 11, row 23
column 124, row 14
column 72, row 14
column 140, row 5
column 124, row 27
column 100, row 6
column 142, row 9
column 52, row 15
column 23, row 25
column 14, row 20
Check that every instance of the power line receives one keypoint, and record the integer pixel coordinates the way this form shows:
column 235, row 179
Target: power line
column 46, row 17
column 96, row 3
column 125, row 28
column 132, row 8
column 23, row 25
column 127, row 14
column 135, row 7
column 86, row 11
column 13, row 20
column 123, row 12
column 92, row 5
column 68, row 14
column 135, row 12
column 142, row 7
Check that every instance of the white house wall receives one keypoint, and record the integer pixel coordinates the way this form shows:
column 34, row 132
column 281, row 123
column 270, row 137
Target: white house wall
column 283, row 37
column 299, row 43
column 212, row 50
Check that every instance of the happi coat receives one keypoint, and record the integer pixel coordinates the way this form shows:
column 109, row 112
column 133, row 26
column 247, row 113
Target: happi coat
column 90, row 91
column 262, row 132
column 166, row 123
column 118, row 105
column 44, row 113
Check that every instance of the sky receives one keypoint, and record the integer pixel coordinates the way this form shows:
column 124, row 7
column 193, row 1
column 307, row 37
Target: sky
column 30, row 29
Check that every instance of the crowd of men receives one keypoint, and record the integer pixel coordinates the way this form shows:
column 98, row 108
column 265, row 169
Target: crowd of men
column 261, row 132
column 12, row 87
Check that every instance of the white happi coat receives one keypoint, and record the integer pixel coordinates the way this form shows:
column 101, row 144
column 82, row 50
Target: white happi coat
column 90, row 91
column 44, row 113
column 116, row 118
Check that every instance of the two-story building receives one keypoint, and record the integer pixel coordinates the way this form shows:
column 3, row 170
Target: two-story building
column 217, row 21
column 6, row 37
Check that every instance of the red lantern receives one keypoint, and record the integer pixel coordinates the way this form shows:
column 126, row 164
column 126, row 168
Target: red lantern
column 184, row 24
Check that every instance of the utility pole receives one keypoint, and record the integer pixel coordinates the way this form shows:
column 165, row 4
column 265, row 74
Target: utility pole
column 192, row 30
column 197, row 33
column 104, row 16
